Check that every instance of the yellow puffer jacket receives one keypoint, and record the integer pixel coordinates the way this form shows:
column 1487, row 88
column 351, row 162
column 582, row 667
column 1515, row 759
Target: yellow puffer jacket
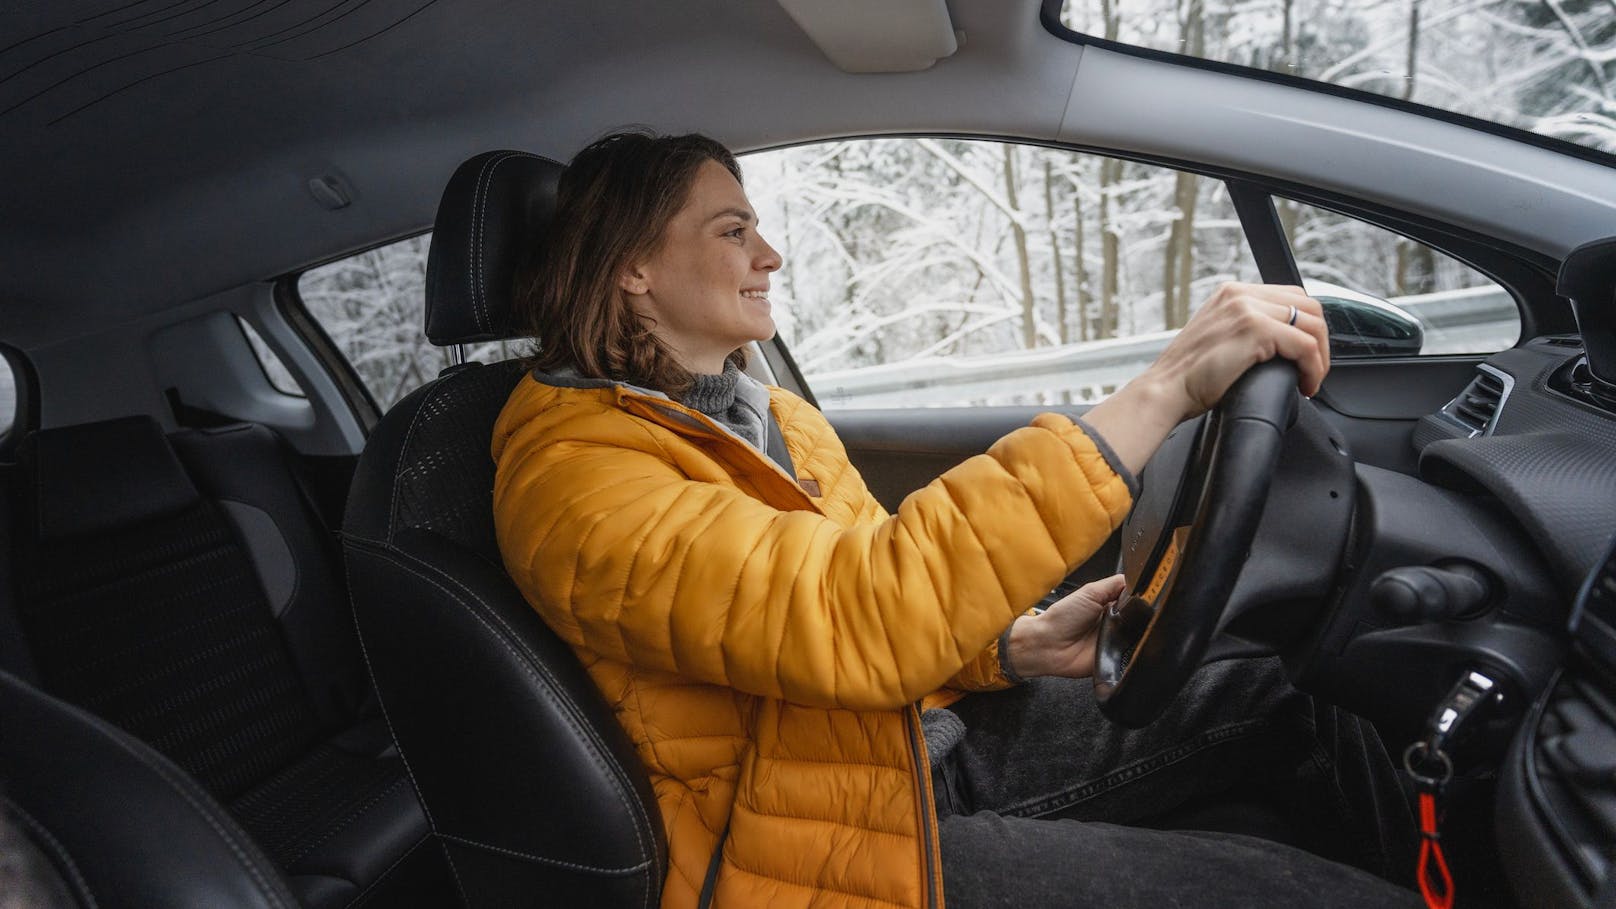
column 766, row 648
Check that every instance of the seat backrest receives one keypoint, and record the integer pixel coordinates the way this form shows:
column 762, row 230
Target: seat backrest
column 253, row 475
column 526, row 776
column 139, row 603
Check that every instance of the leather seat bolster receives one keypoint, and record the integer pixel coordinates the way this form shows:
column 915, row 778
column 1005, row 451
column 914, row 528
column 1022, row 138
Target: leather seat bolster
column 157, row 839
column 504, row 729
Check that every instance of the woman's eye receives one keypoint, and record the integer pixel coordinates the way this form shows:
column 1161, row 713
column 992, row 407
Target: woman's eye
column 737, row 233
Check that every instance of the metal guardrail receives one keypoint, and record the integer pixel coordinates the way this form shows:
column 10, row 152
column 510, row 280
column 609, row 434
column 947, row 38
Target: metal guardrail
column 1474, row 319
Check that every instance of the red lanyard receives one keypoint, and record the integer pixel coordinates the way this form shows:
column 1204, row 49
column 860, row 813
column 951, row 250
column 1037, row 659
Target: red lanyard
column 1428, row 765
column 1438, row 893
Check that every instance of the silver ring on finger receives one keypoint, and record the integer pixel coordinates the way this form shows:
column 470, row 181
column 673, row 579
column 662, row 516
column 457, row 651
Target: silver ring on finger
column 1292, row 319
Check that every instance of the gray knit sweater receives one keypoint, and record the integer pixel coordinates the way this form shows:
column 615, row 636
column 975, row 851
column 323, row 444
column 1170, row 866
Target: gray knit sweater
column 738, row 403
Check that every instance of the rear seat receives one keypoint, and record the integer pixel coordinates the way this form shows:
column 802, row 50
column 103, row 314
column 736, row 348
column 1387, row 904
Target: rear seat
column 183, row 589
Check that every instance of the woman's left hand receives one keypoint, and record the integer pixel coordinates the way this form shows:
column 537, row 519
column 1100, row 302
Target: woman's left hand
column 1061, row 640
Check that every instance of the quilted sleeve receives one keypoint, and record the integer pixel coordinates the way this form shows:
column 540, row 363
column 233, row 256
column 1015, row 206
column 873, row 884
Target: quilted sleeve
column 983, row 672
column 626, row 557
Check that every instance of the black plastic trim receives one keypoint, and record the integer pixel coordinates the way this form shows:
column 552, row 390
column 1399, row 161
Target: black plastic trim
column 780, row 360
column 1049, row 17
column 1276, row 261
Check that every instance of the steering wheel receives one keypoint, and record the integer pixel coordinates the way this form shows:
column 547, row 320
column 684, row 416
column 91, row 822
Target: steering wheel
column 1186, row 539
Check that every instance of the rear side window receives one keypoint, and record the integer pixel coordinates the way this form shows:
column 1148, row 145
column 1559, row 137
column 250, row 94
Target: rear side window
column 373, row 307
column 8, row 397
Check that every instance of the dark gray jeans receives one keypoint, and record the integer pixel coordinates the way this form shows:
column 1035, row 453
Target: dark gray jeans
column 1042, row 802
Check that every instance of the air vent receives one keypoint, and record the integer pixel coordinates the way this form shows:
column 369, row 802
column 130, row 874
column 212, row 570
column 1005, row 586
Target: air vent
column 1477, row 406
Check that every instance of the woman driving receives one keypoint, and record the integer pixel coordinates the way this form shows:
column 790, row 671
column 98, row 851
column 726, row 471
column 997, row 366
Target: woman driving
column 792, row 663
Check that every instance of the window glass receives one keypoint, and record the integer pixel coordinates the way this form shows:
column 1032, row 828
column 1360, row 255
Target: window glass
column 373, row 307
column 1548, row 66
column 8, row 397
column 1387, row 295
column 275, row 371
column 957, row 272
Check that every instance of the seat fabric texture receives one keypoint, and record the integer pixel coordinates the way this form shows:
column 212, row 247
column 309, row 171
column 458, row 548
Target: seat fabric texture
column 184, row 591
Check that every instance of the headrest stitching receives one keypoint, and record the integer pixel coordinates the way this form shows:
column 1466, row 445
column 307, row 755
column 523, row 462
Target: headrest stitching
column 485, row 180
column 474, row 241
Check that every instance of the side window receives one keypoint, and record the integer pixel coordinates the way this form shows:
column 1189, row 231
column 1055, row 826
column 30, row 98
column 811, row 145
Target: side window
column 1387, row 295
column 960, row 272
column 8, row 397
column 373, row 307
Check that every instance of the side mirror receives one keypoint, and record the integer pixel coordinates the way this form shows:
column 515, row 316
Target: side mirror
column 1365, row 326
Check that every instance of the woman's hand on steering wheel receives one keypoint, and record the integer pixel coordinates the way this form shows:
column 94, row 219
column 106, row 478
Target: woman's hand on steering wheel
column 1239, row 326
column 1061, row 640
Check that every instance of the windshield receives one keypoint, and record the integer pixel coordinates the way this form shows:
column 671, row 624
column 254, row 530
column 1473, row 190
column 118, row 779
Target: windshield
column 1546, row 66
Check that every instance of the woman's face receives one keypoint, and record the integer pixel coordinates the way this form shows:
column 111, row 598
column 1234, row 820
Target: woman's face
column 706, row 286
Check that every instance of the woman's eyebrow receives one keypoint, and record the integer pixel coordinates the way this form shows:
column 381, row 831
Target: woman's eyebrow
column 740, row 213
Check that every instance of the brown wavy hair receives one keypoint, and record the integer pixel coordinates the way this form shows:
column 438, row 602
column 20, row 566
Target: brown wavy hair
column 615, row 200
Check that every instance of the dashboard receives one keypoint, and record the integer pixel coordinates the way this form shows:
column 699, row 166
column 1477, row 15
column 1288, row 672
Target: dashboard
column 1533, row 431
column 1521, row 432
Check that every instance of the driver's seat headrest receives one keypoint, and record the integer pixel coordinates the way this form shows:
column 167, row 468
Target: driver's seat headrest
column 491, row 220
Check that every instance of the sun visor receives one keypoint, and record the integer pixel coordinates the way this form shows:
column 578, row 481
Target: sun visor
column 877, row 36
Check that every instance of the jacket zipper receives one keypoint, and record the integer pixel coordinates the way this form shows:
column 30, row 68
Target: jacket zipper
column 923, row 787
column 928, row 820
column 711, row 882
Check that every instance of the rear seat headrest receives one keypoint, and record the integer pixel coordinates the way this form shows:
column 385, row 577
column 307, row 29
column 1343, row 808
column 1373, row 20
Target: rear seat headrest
column 492, row 216
column 96, row 477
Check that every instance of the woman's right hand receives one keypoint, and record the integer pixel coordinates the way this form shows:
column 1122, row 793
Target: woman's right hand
column 1240, row 326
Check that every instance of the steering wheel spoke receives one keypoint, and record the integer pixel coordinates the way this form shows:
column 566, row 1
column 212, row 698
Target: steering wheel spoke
column 1186, row 540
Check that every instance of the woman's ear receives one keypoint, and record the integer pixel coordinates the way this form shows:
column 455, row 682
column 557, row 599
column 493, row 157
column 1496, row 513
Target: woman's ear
column 633, row 282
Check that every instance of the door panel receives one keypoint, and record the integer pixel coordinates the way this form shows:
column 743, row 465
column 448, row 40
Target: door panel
column 1375, row 404
column 899, row 451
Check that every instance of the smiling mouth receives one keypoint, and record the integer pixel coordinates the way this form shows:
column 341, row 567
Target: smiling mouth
column 761, row 295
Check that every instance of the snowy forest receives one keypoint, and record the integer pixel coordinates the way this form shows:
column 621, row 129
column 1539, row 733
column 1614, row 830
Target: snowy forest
column 950, row 251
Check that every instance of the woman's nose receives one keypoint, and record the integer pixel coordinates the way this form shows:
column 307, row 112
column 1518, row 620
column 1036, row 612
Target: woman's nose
column 767, row 259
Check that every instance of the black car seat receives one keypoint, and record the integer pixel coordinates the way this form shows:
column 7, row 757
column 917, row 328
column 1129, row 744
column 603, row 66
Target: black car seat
column 531, row 786
column 112, row 823
column 183, row 590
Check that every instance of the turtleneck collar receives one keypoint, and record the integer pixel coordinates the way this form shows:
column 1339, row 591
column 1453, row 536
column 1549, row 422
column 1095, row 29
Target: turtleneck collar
column 713, row 394
column 740, row 406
